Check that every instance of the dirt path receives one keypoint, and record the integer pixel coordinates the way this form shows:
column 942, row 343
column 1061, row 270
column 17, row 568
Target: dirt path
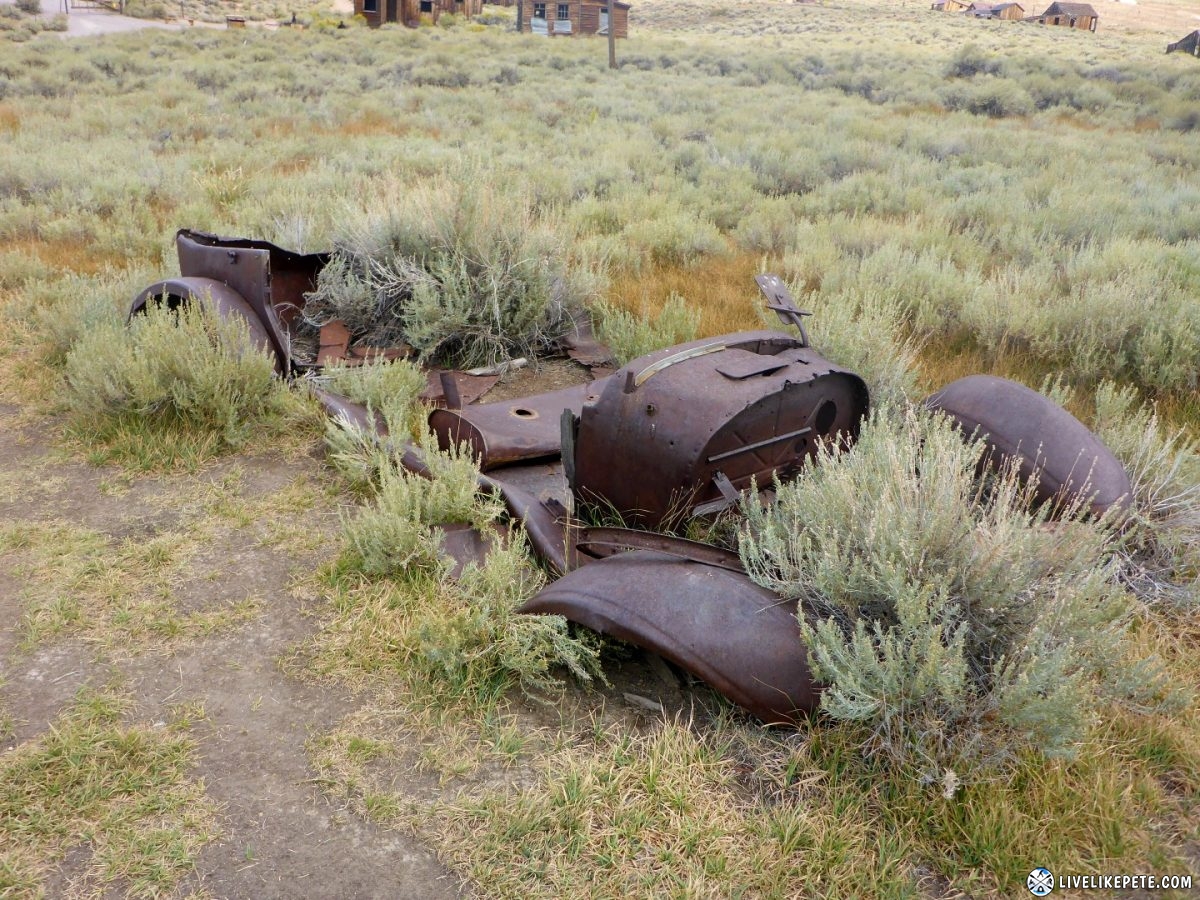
column 89, row 22
column 279, row 837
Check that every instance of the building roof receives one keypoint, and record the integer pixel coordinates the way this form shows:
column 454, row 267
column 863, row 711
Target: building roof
column 1071, row 9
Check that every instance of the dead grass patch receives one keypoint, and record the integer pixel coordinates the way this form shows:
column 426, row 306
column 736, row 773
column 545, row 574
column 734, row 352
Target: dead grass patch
column 721, row 287
column 10, row 119
column 65, row 255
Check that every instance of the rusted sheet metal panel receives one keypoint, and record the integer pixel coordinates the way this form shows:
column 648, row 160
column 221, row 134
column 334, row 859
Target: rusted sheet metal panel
column 583, row 347
column 1052, row 447
column 465, row 545
column 690, row 426
column 216, row 296
column 547, row 528
column 272, row 280
column 513, row 430
column 468, row 388
column 334, row 343
column 600, row 542
column 717, row 624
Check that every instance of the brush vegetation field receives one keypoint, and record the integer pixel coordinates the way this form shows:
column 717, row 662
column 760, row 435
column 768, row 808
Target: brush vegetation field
column 947, row 195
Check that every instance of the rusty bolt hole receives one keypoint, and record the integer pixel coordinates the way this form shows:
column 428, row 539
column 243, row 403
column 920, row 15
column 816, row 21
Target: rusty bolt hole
column 522, row 413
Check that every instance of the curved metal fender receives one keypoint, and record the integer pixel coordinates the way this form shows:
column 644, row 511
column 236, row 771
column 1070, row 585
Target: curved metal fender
column 1050, row 445
column 717, row 624
column 216, row 296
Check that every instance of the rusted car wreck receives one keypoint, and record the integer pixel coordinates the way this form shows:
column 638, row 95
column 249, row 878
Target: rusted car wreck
column 676, row 434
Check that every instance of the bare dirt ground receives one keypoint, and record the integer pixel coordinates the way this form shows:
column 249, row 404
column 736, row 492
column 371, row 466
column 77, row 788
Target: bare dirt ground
column 279, row 836
column 1171, row 19
column 90, row 22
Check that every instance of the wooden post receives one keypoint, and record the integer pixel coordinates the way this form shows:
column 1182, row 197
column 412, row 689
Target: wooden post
column 520, row 16
column 612, row 37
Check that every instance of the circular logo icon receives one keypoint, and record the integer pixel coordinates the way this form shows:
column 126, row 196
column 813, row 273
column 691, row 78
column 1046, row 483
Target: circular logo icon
column 1040, row 882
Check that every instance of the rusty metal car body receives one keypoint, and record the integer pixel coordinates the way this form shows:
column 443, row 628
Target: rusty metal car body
column 252, row 280
column 676, row 433
column 692, row 426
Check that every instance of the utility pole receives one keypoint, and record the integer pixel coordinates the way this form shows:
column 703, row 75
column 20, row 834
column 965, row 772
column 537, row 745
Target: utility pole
column 612, row 37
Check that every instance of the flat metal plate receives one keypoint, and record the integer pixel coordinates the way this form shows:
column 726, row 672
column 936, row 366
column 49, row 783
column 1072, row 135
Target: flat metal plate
column 739, row 364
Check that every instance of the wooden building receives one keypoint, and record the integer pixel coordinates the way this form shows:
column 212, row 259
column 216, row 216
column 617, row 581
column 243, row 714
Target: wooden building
column 1189, row 44
column 1070, row 15
column 1012, row 12
column 555, row 18
column 409, row 12
column 952, row 5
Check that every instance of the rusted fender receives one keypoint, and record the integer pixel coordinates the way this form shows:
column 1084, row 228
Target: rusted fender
column 1053, row 448
column 217, row 297
column 547, row 531
column 512, row 431
column 598, row 542
column 717, row 624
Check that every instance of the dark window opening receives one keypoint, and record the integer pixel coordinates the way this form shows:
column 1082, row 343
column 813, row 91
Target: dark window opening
column 426, row 6
column 370, row 6
column 564, row 11
column 539, row 10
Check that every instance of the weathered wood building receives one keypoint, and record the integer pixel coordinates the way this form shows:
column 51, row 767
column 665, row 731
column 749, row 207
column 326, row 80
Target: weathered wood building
column 952, row 5
column 1012, row 12
column 555, row 18
column 1189, row 44
column 1069, row 15
column 409, row 12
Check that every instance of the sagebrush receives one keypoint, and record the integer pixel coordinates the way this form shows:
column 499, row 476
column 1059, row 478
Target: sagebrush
column 461, row 269
column 183, row 366
column 947, row 613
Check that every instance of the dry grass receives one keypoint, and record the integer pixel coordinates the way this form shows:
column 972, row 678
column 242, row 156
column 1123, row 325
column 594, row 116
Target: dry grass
column 721, row 288
column 117, row 792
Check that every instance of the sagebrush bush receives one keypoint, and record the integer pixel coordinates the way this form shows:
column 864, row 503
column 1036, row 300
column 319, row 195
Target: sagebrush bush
column 181, row 366
column 464, row 632
column 393, row 534
column 947, row 614
column 630, row 336
column 464, row 270
column 867, row 334
column 391, row 389
column 1161, row 533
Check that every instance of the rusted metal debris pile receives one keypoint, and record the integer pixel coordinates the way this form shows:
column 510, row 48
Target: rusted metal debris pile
column 676, row 434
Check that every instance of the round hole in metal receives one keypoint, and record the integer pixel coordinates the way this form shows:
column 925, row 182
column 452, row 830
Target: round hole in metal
column 825, row 417
column 522, row 413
